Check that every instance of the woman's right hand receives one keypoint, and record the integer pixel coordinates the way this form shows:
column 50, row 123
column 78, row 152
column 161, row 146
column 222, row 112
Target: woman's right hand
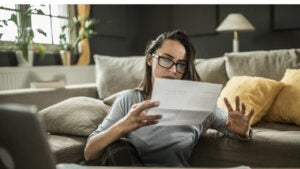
column 137, row 117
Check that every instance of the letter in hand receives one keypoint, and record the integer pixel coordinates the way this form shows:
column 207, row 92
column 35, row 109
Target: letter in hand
column 238, row 121
column 137, row 116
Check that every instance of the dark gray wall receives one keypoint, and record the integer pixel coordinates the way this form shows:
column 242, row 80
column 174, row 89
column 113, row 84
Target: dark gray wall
column 134, row 25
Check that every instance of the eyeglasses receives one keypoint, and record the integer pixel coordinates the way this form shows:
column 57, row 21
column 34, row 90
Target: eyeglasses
column 168, row 63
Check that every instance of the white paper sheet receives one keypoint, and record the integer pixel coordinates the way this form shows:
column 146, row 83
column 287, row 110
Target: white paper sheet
column 184, row 102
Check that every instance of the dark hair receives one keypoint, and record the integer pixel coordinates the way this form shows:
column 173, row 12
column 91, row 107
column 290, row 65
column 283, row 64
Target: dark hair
column 178, row 35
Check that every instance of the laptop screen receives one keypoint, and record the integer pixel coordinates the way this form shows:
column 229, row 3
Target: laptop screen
column 23, row 143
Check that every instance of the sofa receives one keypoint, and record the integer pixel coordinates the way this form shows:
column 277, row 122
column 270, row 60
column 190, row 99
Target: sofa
column 71, row 113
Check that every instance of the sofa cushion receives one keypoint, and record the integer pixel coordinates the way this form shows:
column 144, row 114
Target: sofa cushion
column 110, row 99
column 255, row 92
column 212, row 70
column 75, row 116
column 269, row 64
column 287, row 104
column 114, row 74
column 67, row 149
column 272, row 145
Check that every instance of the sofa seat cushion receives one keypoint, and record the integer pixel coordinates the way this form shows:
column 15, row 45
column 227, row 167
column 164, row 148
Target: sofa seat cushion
column 67, row 149
column 272, row 145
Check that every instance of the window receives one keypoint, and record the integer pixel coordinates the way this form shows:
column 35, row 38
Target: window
column 10, row 31
column 54, row 17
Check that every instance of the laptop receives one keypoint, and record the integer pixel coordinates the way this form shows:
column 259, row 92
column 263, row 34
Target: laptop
column 23, row 141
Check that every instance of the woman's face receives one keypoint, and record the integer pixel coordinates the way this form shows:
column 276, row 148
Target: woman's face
column 173, row 50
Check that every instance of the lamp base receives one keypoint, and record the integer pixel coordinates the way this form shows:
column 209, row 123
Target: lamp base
column 235, row 46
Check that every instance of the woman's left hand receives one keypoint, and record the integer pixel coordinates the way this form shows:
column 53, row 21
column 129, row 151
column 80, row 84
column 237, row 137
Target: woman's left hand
column 238, row 121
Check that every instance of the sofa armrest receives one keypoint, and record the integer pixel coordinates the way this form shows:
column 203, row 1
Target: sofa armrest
column 45, row 97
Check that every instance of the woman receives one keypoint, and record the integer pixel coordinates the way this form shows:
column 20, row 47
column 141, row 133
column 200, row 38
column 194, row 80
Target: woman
column 171, row 56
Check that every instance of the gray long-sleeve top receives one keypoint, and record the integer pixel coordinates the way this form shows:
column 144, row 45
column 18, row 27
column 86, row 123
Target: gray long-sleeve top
column 162, row 145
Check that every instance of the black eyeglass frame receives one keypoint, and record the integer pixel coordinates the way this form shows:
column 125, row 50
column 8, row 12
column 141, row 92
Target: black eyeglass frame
column 173, row 63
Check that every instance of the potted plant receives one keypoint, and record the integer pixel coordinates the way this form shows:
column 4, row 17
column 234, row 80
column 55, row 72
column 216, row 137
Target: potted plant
column 67, row 48
column 24, row 39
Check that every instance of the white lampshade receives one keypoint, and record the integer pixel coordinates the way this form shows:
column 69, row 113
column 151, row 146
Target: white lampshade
column 235, row 22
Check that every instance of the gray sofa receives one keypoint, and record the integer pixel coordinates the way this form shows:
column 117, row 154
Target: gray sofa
column 273, row 145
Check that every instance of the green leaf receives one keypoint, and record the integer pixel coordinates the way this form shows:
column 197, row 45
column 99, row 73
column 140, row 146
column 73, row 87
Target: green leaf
column 29, row 33
column 42, row 49
column 88, row 24
column 40, row 12
column 24, row 49
column 5, row 22
column 62, row 36
column 63, row 28
column 13, row 18
column 28, row 12
column 41, row 32
column 75, row 20
column 90, row 31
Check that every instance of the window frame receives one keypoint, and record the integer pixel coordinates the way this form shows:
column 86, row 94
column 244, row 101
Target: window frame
column 8, row 46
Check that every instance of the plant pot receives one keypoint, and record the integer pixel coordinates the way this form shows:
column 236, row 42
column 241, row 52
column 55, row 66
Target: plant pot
column 65, row 56
column 22, row 61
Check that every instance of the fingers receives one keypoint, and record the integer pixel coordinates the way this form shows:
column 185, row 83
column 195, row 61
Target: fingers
column 146, row 120
column 147, row 123
column 243, row 108
column 251, row 113
column 145, row 105
column 228, row 105
column 149, row 117
column 237, row 103
column 139, row 116
column 153, row 117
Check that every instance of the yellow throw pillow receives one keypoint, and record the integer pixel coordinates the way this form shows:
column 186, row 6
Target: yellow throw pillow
column 286, row 107
column 256, row 92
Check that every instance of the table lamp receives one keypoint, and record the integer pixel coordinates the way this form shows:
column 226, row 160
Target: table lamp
column 235, row 22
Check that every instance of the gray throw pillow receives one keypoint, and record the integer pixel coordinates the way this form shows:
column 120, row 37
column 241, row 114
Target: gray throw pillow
column 212, row 70
column 269, row 64
column 114, row 74
column 75, row 116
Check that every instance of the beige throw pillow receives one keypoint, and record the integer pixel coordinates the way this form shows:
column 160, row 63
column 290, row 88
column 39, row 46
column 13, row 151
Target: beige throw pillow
column 114, row 74
column 269, row 64
column 75, row 116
